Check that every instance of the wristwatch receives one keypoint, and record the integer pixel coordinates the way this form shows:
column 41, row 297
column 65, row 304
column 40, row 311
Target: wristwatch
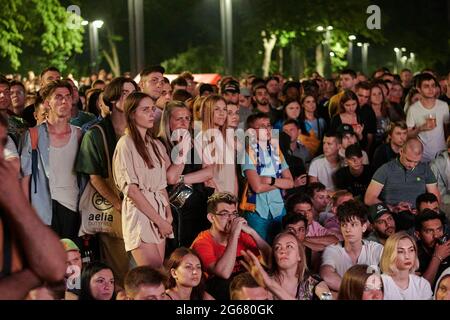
column 272, row 182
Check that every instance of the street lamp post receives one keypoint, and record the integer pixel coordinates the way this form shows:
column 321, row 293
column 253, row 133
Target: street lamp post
column 93, row 42
column 365, row 55
column 326, row 49
column 327, row 52
column 226, row 19
column 136, row 31
column 398, row 56
column 351, row 38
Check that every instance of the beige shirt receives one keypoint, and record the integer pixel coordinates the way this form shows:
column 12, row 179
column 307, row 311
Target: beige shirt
column 129, row 168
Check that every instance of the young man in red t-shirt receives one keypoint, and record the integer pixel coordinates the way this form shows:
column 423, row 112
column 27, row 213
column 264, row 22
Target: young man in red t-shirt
column 220, row 247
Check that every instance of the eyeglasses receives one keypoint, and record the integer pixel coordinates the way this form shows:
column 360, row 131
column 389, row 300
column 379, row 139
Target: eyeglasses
column 225, row 214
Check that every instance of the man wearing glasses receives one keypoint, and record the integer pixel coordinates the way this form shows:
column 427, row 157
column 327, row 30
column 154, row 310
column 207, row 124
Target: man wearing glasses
column 220, row 246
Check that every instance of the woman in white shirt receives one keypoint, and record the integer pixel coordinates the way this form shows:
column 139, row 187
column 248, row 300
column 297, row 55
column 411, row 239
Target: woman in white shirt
column 398, row 264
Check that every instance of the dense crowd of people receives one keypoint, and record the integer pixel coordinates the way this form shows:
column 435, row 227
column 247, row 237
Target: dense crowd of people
column 251, row 189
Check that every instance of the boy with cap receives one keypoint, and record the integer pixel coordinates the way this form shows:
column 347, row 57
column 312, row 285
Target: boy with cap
column 347, row 135
column 74, row 266
column 356, row 176
column 383, row 223
column 230, row 92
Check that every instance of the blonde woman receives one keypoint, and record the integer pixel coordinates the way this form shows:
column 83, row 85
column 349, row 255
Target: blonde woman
column 215, row 148
column 140, row 164
column 398, row 264
column 175, row 132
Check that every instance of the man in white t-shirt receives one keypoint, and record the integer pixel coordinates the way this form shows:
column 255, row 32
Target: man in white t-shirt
column 323, row 168
column 427, row 118
column 338, row 258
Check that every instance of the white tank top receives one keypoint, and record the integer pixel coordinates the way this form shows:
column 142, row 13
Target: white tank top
column 62, row 176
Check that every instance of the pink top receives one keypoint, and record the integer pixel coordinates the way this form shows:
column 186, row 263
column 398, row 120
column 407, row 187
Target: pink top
column 316, row 230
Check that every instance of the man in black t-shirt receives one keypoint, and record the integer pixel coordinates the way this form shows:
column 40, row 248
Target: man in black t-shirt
column 433, row 245
column 356, row 177
column 386, row 152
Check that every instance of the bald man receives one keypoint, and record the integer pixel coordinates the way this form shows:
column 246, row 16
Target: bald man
column 399, row 181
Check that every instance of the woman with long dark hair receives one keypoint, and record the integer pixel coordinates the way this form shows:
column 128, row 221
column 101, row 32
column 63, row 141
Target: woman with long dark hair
column 311, row 125
column 186, row 280
column 140, row 164
column 97, row 282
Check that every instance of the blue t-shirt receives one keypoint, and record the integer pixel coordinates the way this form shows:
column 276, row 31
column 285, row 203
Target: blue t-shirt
column 271, row 201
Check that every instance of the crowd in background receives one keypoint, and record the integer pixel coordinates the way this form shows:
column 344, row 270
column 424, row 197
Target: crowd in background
column 248, row 189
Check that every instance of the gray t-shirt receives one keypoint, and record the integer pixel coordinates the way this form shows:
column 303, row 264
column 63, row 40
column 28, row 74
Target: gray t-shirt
column 401, row 184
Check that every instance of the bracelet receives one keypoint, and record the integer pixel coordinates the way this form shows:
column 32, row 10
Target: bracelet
column 438, row 257
column 272, row 181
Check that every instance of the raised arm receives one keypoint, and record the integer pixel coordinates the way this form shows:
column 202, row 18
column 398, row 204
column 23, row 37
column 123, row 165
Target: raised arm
column 42, row 250
column 224, row 266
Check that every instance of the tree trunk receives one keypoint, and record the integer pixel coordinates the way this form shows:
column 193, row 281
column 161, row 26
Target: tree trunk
column 269, row 44
column 280, row 60
column 113, row 58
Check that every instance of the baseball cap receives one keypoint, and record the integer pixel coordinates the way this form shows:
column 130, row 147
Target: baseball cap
column 69, row 245
column 230, row 86
column 376, row 211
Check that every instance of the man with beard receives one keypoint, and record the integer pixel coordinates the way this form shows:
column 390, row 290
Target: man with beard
column 261, row 102
column 273, row 88
column 383, row 223
column 220, row 247
column 152, row 83
column 433, row 246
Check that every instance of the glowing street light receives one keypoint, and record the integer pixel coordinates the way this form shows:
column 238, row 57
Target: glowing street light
column 320, row 28
column 332, row 54
column 93, row 41
column 403, row 49
column 97, row 24
column 351, row 38
column 398, row 57
column 365, row 57
column 329, row 28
